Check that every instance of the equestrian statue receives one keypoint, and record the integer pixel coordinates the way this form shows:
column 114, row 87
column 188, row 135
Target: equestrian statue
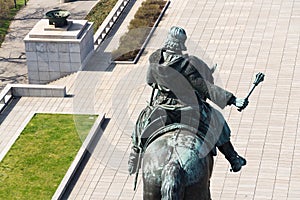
column 179, row 132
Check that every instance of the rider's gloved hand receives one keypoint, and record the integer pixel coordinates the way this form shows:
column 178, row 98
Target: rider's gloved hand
column 241, row 103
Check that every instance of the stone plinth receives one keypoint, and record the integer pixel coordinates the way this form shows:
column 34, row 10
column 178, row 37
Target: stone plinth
column 53, row 53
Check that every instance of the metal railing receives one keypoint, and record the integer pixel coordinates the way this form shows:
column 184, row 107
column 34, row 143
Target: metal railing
column 109, row 21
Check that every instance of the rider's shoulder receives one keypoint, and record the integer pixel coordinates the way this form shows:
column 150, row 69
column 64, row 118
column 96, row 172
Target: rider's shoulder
column 156, row 56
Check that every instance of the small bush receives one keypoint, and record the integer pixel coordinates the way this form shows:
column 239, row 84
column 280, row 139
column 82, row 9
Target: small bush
column 131, row 42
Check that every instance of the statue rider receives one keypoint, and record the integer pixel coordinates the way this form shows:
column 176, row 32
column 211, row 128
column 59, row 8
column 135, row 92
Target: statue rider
column 185, row 81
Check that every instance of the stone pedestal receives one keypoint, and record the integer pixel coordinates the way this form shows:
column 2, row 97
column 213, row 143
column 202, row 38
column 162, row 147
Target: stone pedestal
column 56, row 52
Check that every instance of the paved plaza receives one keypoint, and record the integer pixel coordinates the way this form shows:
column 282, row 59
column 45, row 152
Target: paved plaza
column 243, row 37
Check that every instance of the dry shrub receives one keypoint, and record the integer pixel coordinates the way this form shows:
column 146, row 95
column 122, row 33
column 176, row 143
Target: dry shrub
column 139, row 27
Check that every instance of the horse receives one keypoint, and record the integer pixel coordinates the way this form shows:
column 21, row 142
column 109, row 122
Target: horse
column 176, row 166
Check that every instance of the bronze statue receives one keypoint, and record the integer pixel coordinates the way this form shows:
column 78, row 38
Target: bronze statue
column 179, row 128
column 58, row 17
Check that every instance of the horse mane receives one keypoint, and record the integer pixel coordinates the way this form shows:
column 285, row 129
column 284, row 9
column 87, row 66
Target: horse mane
column 173, row 181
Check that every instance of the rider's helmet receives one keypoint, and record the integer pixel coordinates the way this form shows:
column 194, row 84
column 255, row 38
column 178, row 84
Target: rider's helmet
column 176, row 39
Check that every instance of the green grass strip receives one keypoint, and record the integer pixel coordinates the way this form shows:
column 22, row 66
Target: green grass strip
column 99, row 12
column 39, row 159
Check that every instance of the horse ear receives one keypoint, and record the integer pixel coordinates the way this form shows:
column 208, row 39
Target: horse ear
column 214, row 67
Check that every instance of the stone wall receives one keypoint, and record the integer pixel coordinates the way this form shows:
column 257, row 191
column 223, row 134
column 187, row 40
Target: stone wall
column 54, row 53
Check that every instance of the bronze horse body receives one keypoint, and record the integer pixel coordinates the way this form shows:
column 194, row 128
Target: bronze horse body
column 175, row 166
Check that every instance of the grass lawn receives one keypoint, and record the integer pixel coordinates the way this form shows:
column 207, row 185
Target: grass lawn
column 99, row 12
column 39, row 159
column 6, row 20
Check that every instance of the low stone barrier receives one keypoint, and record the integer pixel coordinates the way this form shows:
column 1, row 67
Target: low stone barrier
column 29, row 90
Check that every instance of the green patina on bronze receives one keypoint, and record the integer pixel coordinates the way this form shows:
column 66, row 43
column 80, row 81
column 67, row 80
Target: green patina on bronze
column 58, row 17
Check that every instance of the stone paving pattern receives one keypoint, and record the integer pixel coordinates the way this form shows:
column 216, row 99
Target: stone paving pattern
column 244, row 37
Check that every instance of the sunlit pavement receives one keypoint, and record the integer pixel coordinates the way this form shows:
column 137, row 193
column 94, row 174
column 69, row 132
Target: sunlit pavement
column 243, row 38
